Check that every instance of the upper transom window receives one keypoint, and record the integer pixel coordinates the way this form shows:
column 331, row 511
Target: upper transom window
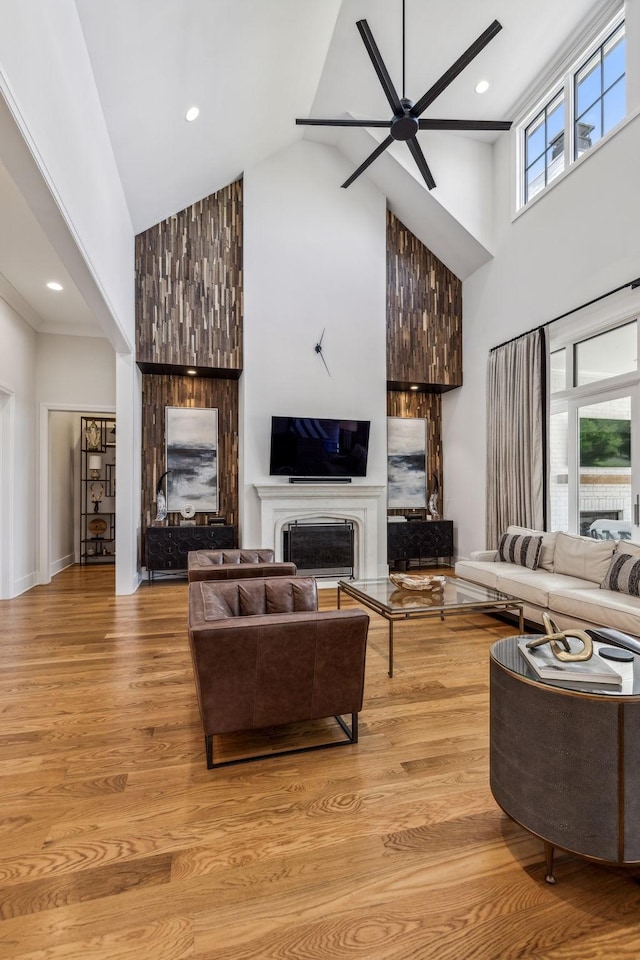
column 581, row 107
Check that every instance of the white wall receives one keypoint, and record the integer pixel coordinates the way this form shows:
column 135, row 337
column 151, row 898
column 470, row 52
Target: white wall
column 75, row 371
column 578, row 241
column 63, row 434
column 17, row 378
column 463, row 170
column 48, row 83
column 55, row 145
column 314, row 260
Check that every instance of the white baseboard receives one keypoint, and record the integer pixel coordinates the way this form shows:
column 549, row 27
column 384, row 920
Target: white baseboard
column 24, row 584
column 58, row 565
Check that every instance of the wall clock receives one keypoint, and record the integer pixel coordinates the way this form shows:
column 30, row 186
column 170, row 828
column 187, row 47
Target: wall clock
column 318, row 350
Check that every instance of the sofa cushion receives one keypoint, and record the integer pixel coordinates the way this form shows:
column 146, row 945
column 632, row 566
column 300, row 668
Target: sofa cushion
column 599, row 607
column 545, row 560
column 623, row 574
column 523, row 550
column 534, row 586
column 484, row 572
column 582, row 557
column 254, row 598
column 218, row 605
column 220, row 557
column 629, row 548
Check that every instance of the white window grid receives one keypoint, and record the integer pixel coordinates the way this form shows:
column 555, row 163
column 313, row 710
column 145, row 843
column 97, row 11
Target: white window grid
column 563, row 85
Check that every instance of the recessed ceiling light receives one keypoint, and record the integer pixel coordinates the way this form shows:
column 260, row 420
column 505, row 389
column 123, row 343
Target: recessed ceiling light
column 192, row 373
column 54, row 285
column 482, row 86
column 413, row 387
column 191, row 114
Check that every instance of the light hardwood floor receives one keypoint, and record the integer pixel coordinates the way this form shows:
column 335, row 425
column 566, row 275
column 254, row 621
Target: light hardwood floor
column 117, row 842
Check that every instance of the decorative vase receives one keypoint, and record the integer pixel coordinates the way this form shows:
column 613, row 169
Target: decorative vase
column 92, row 433
column 161, row 507
column 161, row 500
column 433, row 499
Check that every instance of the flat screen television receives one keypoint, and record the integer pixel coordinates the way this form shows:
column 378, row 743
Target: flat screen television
column 309, row 447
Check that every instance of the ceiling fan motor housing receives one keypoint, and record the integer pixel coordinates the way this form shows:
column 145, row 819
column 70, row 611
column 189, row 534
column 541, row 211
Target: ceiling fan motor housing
column 404, row 125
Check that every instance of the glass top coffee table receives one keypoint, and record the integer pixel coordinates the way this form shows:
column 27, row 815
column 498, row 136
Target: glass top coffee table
column 457, row 597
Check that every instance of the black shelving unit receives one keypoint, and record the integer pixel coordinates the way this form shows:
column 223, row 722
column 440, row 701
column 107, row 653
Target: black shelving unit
column 97, row 490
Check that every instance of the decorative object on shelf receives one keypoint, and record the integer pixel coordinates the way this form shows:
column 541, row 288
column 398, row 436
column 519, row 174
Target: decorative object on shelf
column 161, row 500
column 559, row 643
column 97, row 493
column 406, row 462
column 95, row 466
column 92, row 435
column 192, row 458
column 97, row 526
column 187, row 511
column 433, row 498
column 407, row 582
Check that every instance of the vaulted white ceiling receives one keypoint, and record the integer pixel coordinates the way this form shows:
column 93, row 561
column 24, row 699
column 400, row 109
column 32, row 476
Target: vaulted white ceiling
column 252, row 67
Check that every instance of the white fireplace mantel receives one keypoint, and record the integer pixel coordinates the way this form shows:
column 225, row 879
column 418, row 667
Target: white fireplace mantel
column 282, row 503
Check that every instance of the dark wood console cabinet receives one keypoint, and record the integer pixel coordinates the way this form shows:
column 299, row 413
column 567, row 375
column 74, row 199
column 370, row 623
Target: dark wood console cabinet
column 418, row 540
column 166, row 548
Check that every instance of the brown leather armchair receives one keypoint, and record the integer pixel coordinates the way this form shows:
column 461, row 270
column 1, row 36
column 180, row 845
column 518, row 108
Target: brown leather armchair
column 236, row 565
column 264, row 655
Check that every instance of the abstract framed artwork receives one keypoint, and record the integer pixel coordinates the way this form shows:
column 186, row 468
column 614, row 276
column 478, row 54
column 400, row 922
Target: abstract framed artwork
column 406, row 462
column 192, row 458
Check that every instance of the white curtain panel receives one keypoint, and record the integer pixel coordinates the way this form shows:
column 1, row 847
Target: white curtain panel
column 516, row 457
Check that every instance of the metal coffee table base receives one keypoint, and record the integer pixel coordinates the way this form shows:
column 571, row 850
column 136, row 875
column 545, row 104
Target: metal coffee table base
column 391, row 616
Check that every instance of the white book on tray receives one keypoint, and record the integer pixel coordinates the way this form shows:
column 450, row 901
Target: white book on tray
column 547, row 667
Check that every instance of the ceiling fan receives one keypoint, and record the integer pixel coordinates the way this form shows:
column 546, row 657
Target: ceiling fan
column 405, row 122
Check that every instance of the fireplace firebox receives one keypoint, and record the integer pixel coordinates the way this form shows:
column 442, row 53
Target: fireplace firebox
column 320, row 549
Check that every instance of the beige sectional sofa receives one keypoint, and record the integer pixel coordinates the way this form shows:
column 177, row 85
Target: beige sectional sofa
column 566, row 582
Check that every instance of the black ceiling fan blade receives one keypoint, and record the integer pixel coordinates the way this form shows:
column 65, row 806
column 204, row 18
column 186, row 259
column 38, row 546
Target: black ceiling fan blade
column 367, row 163
column 313, row 122
column 379, row 67
column 464, row 124
column 423, row 166
column 470, row 53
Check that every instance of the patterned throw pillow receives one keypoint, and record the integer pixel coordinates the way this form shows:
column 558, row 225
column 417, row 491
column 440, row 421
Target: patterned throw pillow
column 623, row 574
column 522, row 550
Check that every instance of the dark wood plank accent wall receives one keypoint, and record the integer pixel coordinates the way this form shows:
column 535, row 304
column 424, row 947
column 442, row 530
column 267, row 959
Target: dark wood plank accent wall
column 411, row 403
column 160, row 391
column 189, row 287
column 424, row 314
